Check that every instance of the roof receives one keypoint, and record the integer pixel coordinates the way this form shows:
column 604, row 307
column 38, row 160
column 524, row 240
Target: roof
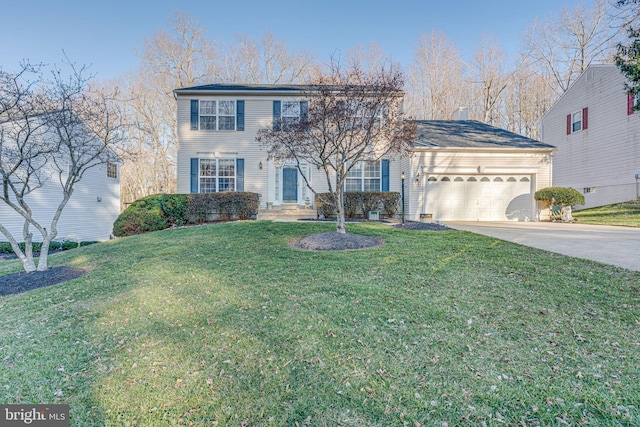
column 228, row 89
column 470, row 134
column 244, row 88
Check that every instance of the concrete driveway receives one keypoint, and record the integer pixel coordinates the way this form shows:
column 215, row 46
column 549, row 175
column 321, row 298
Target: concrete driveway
column 618, row 246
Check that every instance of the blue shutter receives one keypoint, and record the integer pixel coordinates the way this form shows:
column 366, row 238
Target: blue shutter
column 194, row 114
column 276, row 115
column 385, row 175
column 304, row 110
column 239, row 174
column 195, row 172
column 239, row 115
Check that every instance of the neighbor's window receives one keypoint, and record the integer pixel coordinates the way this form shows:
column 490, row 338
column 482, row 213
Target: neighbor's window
column 217, row 175
column 112, row 170
column 365, row 176
column 217, row 115
column 576, row 121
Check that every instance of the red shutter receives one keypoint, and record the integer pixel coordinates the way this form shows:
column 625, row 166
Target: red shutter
column 630, row 102
column 568, row 124
column 585, row 118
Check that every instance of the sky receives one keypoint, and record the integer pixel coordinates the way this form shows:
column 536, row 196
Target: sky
column 107, row 34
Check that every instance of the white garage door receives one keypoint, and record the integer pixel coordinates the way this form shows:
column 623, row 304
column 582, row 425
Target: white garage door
column 478, row 197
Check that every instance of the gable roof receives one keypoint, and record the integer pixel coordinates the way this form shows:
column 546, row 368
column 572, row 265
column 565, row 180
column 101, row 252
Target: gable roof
column 225, row 88
column 470, row 134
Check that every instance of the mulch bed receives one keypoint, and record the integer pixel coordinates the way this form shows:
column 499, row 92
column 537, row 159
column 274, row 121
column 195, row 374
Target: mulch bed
column 18, row 283
column 432, row 226
column 333, row 241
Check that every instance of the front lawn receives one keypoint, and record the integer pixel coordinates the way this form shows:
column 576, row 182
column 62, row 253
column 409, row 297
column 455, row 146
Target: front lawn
column 226, row 325
column 625, row 214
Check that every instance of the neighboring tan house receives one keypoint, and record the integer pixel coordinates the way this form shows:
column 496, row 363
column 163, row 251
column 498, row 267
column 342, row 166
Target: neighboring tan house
column 89, row 214
column 459, row 170
column 597, row 134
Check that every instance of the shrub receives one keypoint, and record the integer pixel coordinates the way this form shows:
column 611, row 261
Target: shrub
column 390, row 203
column 174, row 208
column 359, row 203
column 65, row 245
column 562, row 196
column 325, row 205
column 141, row 216
column 199, row 205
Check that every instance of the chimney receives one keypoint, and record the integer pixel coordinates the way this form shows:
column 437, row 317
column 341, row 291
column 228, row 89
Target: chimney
column 462, row 113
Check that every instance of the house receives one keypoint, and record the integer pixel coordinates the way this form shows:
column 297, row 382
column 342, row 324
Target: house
column 89, row 214
column 597, row 133
column 458, row 170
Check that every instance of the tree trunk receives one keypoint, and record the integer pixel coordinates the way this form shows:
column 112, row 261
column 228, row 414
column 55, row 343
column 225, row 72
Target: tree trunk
column 340, row 222
column 566, row 214
column 43, row 260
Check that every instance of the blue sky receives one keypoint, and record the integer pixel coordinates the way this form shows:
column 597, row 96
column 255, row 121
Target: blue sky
column 106, row 34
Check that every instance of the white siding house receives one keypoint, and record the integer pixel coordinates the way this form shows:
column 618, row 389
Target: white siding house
column 597, row 134
column 458, row 170
column 90, row 212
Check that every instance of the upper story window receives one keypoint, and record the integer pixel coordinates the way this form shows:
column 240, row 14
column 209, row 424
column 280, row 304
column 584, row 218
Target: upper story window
column 577, row 121
column 112, row 170
column 365, row 176
column 217, row 115
column 287, row 113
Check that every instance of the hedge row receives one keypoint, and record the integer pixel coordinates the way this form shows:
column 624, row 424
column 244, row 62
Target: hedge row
column 5, row 247
column 161, row 211
column 359, row 203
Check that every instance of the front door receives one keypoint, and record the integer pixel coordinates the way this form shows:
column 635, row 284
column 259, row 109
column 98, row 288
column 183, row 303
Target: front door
column 289, row 185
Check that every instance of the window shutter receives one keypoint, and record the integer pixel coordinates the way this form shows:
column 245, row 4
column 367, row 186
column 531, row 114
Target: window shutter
column 195, row 164
column 240, row 115
column 194, row 114
column 239, row 174
column 585, row 118
column 304, row 111
column 276, row 115
column 568, row 124
column 630, row 102
column 385, row 175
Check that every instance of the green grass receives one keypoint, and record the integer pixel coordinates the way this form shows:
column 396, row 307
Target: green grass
column 227, row 325
column 625, row 214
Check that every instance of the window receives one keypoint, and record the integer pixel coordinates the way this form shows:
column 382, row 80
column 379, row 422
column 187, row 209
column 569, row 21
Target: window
column 365, row 176
column 577, row 121
column 290, row 113
column 217, row 175
column 589, row 190
column 217, row 115
column 360, row 115
column 112, row 170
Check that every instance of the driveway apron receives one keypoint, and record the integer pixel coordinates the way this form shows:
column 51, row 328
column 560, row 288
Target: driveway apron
column 619, row 246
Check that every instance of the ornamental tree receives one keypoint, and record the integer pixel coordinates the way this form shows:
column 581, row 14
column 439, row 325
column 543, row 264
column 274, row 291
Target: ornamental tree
column 560, row 198
column 351, row 116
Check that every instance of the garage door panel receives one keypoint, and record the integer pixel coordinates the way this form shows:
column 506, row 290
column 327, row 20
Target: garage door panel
column 478, row 198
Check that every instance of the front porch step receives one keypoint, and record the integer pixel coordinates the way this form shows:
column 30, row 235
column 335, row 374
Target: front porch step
column 288, row 214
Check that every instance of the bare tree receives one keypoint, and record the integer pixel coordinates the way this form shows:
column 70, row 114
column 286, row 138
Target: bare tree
column 266, row 61
column 490, row 80
column 436, row 78
column 566, row 45
column 352, row 116
column 54, row 134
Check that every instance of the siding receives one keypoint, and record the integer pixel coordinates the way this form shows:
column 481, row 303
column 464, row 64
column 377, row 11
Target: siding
column 606, row 156
column 84, row 218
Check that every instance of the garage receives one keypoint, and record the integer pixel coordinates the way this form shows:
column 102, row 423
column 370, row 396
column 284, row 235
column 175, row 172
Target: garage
column 451, row 197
